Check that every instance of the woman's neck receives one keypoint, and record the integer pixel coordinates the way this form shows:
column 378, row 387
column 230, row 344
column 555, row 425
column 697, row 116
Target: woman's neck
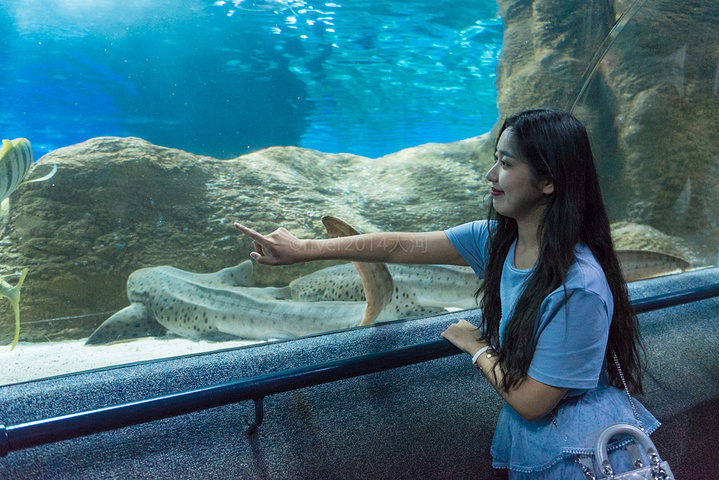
column 526, row 252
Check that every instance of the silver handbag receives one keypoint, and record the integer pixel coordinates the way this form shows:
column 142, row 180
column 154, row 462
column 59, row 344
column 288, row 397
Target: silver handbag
column 656, row 470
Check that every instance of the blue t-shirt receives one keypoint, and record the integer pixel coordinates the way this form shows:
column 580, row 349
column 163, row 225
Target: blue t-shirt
column 571, row 337
column 573, row 322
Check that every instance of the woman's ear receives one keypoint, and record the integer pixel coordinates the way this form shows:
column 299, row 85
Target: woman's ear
column 548, row 187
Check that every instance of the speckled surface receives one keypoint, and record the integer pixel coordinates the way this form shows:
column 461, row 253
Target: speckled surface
column 426, row 421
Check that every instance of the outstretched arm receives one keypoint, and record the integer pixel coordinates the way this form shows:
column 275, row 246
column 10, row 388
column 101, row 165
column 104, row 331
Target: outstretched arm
column 282, row 248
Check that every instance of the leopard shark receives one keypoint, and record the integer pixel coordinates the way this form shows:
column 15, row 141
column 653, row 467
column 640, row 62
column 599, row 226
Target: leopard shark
column 223, row 305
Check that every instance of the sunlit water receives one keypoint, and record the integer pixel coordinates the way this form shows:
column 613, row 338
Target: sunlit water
column 225, row 78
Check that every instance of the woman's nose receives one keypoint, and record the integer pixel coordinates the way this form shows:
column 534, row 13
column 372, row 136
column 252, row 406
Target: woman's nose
column 492, row 173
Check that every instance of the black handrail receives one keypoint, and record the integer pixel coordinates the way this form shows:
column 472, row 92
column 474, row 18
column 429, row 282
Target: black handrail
column 75, row 425
column 40, row 432
column 672, row 299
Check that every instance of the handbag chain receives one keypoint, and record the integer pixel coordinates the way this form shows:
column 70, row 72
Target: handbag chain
column 626, row 389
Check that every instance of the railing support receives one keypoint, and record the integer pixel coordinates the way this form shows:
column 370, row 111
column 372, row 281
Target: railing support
column 259, row 416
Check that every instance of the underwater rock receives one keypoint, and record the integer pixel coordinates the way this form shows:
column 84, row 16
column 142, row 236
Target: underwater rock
column 546, row 47
column 117, row 205
column 668, row 117
column 652, row 108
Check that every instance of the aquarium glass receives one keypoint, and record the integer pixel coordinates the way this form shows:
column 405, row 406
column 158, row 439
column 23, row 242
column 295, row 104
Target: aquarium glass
column 167, row 122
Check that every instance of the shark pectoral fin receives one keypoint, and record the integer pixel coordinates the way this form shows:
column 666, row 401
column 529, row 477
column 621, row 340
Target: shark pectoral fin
column 378, row 288
column 130, row 322
column 13, row 294
column 42, row 179
column 376, row 277
column 218, row 337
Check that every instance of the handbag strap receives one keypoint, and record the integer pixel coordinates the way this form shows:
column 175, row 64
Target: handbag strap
column 587, row 463
column 626, row 389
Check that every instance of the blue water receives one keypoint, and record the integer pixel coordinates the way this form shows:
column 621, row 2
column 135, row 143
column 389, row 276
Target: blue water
column 219, row 78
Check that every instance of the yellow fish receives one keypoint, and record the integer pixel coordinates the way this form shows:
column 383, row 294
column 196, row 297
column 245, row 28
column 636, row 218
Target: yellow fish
column 15, row 162
column 13, row 293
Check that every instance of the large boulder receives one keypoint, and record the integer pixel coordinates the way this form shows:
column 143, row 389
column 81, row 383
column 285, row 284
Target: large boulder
column 651, row 105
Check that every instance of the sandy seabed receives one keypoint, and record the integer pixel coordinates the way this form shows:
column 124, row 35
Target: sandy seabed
column 32, row 361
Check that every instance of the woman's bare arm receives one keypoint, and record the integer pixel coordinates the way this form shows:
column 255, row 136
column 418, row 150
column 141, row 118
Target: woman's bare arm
column 531, row 399
column 282, row 248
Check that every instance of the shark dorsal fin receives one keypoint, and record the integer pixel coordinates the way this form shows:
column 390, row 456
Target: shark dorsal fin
column 376, row 278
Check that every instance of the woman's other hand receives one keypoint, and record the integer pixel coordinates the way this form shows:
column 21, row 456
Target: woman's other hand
column 464, row 336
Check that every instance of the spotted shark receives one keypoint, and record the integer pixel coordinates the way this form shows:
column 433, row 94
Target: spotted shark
column 223, row 305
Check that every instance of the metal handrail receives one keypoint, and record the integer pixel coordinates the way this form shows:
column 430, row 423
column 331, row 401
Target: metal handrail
column 40, row 432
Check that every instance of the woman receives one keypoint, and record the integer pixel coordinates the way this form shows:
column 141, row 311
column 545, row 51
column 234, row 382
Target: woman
column 558, row 338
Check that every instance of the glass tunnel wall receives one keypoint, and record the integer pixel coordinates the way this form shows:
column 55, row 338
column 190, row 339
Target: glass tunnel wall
column 279, row 113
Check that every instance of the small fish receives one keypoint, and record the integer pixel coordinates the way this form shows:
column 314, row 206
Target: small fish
column 13, row 294
column 642, row 264
column 677, row 76
column 15, row 162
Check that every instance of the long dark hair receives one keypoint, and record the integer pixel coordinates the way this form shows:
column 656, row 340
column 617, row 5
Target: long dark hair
column 556, row 146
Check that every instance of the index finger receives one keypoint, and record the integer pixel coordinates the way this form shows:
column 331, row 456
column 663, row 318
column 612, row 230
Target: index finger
column 256, row 236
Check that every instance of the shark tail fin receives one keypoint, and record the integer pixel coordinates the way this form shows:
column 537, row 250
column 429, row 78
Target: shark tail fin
column 13, row 294
column 376, row 277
